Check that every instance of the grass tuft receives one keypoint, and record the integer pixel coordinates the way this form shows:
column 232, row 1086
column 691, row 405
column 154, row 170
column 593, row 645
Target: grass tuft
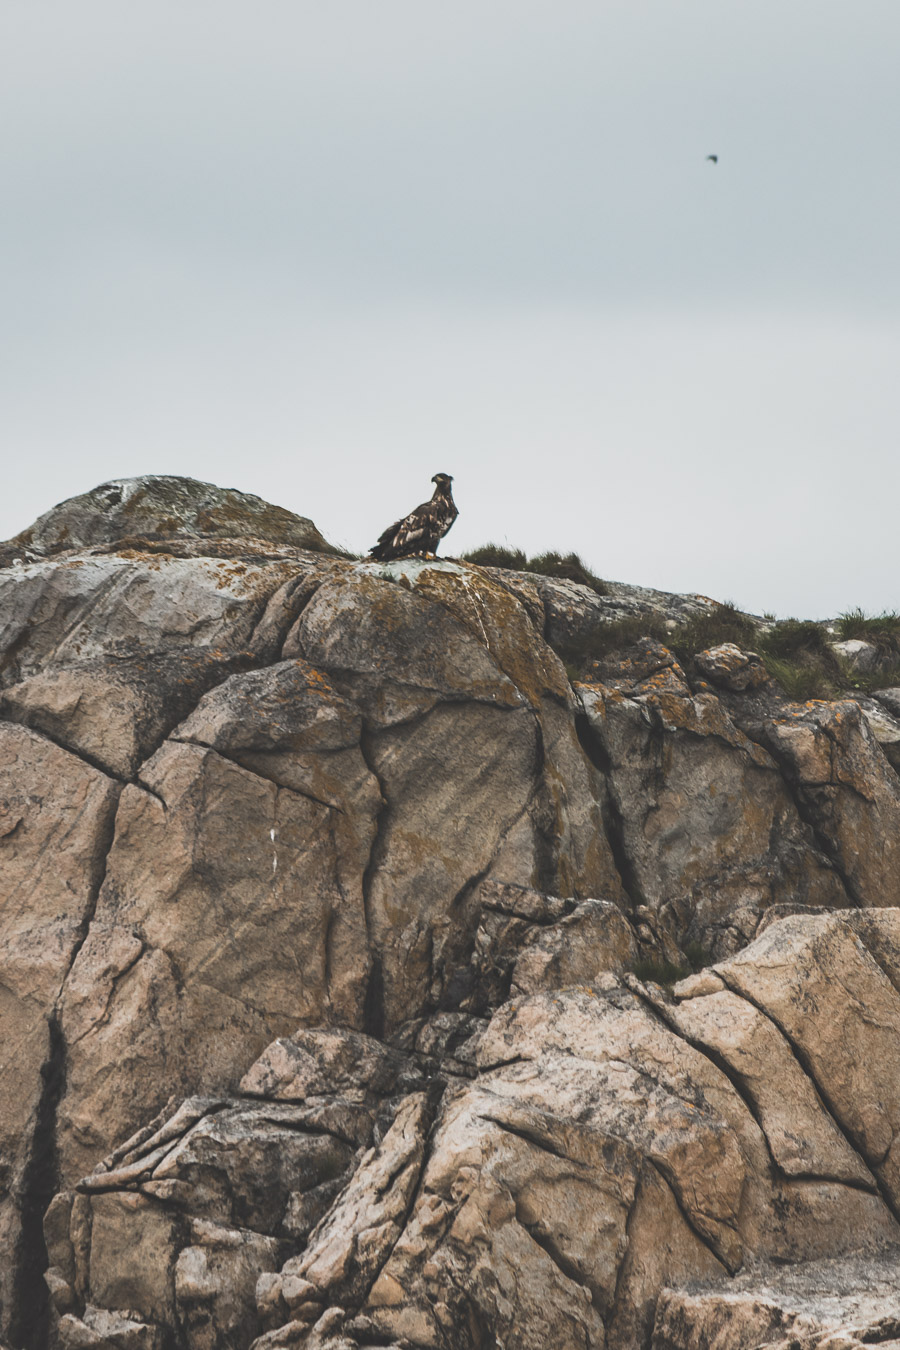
column 882, row 630
column 725, row 623
column 569, row 566
column 495, row 555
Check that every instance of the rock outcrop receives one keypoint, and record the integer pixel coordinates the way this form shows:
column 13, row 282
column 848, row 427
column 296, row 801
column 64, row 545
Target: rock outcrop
column 340, row 934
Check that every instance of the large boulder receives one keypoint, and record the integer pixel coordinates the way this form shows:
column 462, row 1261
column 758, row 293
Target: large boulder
column 163, row 507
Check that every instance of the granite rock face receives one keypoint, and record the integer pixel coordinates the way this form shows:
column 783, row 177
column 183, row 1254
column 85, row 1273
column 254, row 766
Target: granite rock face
column 580, row 1152
column 331, row 918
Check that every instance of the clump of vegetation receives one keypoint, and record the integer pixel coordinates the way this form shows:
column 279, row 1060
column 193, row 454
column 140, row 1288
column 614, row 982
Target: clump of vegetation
column 606, row 638
column 569, row 566
column 882, row 630
column 725, row 623
column 798, row 654
column 495, row 555
column 800, row 682
column 870, row 681
column 659, row 970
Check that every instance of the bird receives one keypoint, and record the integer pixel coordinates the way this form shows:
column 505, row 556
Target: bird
column 714, row 158
column 419, row 533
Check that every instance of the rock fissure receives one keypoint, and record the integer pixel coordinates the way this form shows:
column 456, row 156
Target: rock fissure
column 579, row 1169
column 825, row 1098
column 718, row 1060
column 60, row 744
column 551, row 1249
column 660, row 1168
column 795, row 792
column 29, row 1315
column 256, row 772
column 610, row 813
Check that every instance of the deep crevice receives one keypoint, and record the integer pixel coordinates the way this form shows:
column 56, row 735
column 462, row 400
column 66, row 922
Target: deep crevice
column 373, row 1007
column 623, row 1262
column 610, row 814
column 29, row 1320
column 90, row 760
column 562, row 1262
column 105, row 839
column 374, row 1004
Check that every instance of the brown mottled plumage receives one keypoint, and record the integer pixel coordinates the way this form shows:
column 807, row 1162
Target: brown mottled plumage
column 420, row 532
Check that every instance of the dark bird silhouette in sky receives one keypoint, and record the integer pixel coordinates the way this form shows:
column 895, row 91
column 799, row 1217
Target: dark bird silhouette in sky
column 420, row 532
column 714, row 158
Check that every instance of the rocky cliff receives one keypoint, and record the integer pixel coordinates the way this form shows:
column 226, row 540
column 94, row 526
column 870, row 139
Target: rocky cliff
column 367, row 983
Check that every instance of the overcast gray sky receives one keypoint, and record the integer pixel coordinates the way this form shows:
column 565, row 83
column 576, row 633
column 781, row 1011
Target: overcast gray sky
column 321, row 249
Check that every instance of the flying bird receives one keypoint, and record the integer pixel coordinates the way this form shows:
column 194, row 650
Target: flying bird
column 419, row 533
column 714, row 158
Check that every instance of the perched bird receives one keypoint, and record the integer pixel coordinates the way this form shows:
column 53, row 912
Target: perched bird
column 714, row 158
column 418, row 534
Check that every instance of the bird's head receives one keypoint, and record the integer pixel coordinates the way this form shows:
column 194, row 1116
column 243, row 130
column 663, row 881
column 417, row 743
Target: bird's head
column 443, row 481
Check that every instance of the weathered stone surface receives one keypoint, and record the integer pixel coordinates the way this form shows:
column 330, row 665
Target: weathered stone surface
column 884, row 726
column 831, row 1304
column 610, row 1144
column 478, row 689
column 134, row 1244
column 55, row 815
column 890, row 699
column 572, row 612
column 709, row 831
column 215, row 1285
column 116, row 711
column 235, row 946
column 362, row 809
column 163, row 506
column 347, row 1248
column 859, row 655
column 85, row 607
column 595, row 937
column 99, row 1329
column 324, row 1063
column 829, row 996
column 848, row 792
